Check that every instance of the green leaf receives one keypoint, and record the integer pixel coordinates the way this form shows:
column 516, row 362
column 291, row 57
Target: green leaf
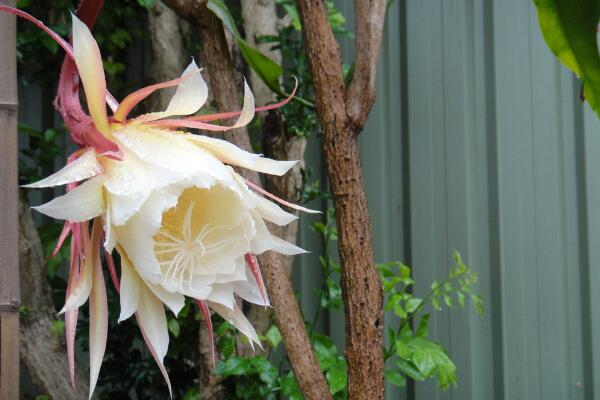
column 570, row 31
column 174, row 327
column 461, row 298
column 233, row 366
column 273, row 336
column 409, row 369
column 423, row 328
column 412, row 304
column 268, row 70
column 336, row 376
column 146, row 3
column 478, row 303
column 325, row 351
column 394, row 377
column 290, row 388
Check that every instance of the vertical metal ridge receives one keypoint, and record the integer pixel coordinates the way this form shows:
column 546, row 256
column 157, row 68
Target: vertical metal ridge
column 493, row 202
column 583, row 240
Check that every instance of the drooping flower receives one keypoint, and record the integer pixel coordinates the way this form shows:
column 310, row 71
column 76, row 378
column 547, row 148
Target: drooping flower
column 182, row 221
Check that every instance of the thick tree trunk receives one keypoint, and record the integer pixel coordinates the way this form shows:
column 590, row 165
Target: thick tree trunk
column 42, row 351
column 342, row 114
column 9, row 272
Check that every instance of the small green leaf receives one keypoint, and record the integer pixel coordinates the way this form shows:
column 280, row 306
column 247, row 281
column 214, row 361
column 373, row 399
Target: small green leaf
column 394, row 377
column 232, row 366
column 448, row 300
column 174, row 327
column 412, row 304
column 461, row 298
column 423, row 328
column 478, row 303
column 273, row 336
column 336, row 376
column 146, row 3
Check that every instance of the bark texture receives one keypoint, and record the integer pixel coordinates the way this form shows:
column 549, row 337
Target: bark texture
column 227, row 95
column 342, row 114
column 42, row 351
column 9, row 264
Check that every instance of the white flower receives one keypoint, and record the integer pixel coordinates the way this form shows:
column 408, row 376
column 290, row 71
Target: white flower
column 183, row 222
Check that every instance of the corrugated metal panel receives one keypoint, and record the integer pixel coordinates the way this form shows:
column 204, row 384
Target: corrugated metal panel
column 478, row 143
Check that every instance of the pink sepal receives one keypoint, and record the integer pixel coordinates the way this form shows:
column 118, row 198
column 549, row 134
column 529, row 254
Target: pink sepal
column 252, row 263
column 206, row 314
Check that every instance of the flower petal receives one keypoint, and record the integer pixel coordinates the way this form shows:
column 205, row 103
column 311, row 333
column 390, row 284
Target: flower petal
column 222, row 293
column 98, row 309
column 84, row 167
column 244, row 119
column 231, row 154
column 263, row 240
column 89, row 65
column 130, row 288
column 80, row 204
column 190, row 74
column 173, row 153
column 191, row 94
column 273, row 213
column 152, row 321
column 236, row 318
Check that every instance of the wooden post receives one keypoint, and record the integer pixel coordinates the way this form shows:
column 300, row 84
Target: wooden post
column 9, row 271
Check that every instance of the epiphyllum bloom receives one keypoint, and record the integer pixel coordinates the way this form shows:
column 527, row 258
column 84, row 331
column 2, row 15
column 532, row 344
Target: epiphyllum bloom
column 183, row 222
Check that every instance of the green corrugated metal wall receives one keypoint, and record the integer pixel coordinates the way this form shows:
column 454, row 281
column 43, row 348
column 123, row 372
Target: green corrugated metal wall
column 478, row 143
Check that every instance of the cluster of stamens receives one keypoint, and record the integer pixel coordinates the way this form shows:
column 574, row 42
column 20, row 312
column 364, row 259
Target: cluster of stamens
column 185, row 253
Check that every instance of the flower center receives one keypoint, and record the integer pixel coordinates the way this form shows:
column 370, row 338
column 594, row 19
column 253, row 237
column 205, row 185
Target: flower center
column 182, row 253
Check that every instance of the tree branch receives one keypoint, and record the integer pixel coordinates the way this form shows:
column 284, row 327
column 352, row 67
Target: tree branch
column 360, row 94
column 226, row 94
column 361, row 285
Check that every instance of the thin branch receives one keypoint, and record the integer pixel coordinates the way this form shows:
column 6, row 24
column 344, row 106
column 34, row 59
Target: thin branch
column 360, row 94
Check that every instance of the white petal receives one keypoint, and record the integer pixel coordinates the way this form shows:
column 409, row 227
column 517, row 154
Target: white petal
column 136, row 240
column 89, row 65
column 236, row 318
column 172, row 152
column 191, row 94
column 233, row 155
column 98, row 309
column 130, row 289
column 80, row 204
column 153, row 324
column 272, row 212
column 247, row 109
column 84, row 167
column 174, row 301
column 263, row 240
column 222, row 293
column 110, row 239
column 249, row 291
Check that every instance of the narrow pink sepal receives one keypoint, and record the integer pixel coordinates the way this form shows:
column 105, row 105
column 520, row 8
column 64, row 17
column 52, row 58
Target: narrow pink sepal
column 112, row 270
column 206, row 314
column 277, row 199
column 231, row 114
column 252, row 263
column 134, row 98
column 187, row 123
column 61, row 42
column 61, row 239
column 154, row 355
